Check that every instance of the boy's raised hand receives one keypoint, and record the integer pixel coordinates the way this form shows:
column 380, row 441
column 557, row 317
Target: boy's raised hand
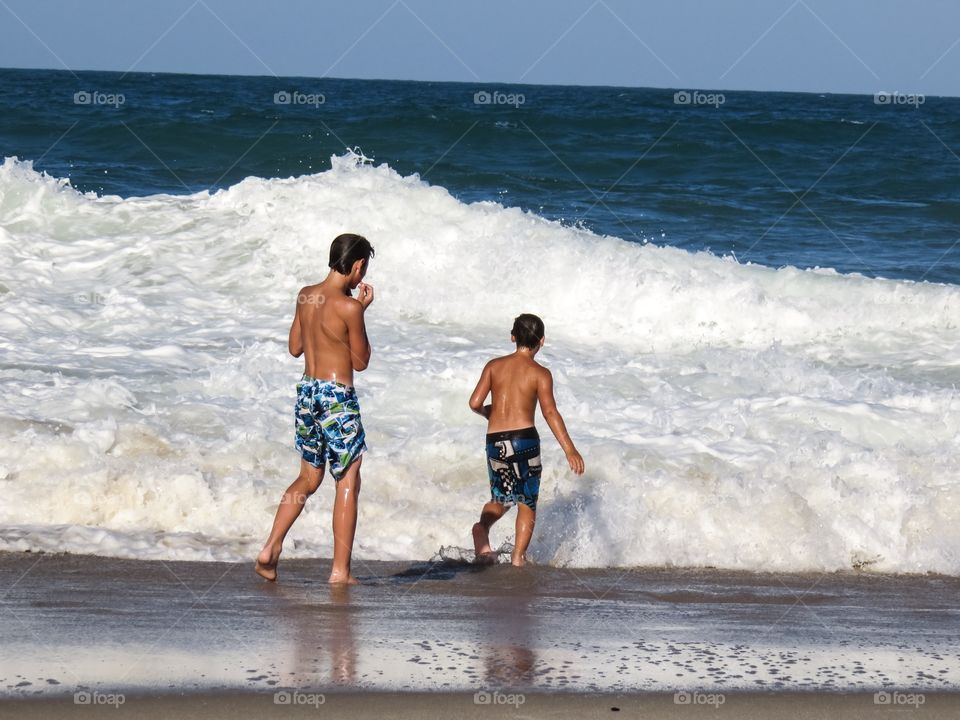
column 365, row 294
column 576, row 462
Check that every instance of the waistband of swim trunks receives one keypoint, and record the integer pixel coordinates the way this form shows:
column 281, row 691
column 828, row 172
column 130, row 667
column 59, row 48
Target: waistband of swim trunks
column 529, row 433
column 320, row 381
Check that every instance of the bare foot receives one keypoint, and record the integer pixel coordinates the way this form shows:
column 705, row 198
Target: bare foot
column 340, row 578
column 482, row 553
column 266, row 565
column 518, row 561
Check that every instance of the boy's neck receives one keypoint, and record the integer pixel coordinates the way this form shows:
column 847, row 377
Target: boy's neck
column 526, row 352
column 338, row 281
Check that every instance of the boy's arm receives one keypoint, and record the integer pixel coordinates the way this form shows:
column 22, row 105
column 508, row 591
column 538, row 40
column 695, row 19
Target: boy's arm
column 295, row 341
column 357, row 333
column 548, row 406
column 480, row 393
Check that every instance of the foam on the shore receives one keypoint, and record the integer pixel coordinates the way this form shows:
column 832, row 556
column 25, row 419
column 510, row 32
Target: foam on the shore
column 730, row 415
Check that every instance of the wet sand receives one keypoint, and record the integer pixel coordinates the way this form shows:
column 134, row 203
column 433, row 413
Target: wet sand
column 213, row 640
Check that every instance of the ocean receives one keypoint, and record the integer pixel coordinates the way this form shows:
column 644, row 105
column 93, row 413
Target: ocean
column 751, row 306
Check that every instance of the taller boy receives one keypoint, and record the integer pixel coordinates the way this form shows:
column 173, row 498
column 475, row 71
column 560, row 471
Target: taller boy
column 329, row 331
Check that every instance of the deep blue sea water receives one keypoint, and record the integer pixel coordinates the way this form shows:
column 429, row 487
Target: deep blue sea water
column 773, row 178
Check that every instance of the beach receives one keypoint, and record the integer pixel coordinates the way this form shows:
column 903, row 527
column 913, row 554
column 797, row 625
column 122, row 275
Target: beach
column 753, row 339
column 212, row 640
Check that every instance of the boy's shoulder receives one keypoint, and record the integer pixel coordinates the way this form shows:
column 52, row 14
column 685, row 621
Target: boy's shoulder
column 311, row 291
column 336, row 298
column 340, row 304
column 506, row 361
column 503, row 360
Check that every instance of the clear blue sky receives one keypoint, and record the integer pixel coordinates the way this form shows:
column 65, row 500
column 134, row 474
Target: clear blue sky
column 860, row 46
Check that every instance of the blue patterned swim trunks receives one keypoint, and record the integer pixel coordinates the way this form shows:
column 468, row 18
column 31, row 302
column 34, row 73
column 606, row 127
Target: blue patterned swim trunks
column 513, row 465
column 328, row 424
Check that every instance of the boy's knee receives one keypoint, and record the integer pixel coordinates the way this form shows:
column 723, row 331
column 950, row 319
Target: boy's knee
column 526, row 514
column 350, row 478
column 309, row 483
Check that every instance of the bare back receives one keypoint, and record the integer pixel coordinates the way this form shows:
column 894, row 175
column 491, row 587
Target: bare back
column 325, row 330
column 515, row 381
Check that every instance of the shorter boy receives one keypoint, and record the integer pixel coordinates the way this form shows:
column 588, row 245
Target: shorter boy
column 516, row 382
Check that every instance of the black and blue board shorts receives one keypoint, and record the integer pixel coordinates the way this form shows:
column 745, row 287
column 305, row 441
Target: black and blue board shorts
column 513, row 464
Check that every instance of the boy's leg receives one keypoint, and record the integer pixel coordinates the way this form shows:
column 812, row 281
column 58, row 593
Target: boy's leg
column 491, row 512
column 291, row 505
column 345, row 523
column 526, row 519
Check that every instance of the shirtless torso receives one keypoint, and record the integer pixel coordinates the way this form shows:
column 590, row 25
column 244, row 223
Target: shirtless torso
column 516, row 383
column 328, row 330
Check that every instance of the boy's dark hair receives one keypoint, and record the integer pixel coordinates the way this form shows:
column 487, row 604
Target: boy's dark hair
column 527, row 331
column 346, row 249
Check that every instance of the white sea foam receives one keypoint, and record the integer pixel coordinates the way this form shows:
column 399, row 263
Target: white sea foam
column 730, row 415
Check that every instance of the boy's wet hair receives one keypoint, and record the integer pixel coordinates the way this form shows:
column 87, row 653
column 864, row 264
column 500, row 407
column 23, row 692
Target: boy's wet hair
column 346, row 249
column 527, row 331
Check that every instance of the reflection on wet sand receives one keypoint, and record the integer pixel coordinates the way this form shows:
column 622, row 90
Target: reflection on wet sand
column 340, row 637
column 508, row 644
column 322, row 621
column 325, row 642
